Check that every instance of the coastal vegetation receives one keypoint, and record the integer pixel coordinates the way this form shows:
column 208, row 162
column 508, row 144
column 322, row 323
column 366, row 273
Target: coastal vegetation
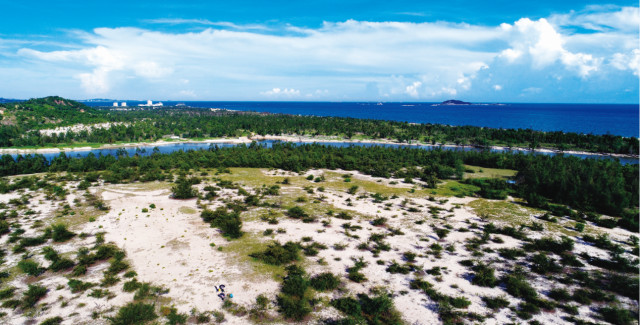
column 313, row 233
column 23, row 124
column 587, row 185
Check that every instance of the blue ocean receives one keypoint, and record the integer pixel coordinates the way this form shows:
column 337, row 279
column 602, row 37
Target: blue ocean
column 612, row 119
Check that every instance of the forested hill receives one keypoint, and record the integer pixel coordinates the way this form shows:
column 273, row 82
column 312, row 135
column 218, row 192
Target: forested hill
column 44, row 112
column 21, row 121
column 51, row 103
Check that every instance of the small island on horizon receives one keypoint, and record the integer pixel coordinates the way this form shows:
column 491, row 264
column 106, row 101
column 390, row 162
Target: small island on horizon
column 454, row 102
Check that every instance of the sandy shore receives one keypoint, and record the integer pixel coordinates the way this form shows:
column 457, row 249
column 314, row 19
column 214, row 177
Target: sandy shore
column 296, row 138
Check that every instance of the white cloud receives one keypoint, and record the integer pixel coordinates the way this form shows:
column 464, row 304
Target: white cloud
column 346, row 60
column 601, row 18
column 544, row 46
column 627, row 61
column 497, row 87
column 286, row 92
column 412, row 89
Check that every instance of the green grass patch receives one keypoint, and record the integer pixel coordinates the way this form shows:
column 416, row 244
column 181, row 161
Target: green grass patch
column 482, row 172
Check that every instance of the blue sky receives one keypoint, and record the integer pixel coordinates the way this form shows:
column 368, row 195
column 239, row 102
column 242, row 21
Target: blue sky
column 483, row 51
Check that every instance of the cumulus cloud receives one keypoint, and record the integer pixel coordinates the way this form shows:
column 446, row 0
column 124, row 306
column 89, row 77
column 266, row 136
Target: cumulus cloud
column 286, row 92
column 348, row 60
column 541, row 43
column 412, row 90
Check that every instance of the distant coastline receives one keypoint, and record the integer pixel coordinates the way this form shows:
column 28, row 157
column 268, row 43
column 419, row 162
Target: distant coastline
column 597, row 119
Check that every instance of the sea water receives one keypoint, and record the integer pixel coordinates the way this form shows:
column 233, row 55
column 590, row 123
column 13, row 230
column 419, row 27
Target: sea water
column 615, row 119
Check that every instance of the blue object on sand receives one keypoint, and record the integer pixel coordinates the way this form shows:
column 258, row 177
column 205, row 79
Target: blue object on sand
column 231, row 295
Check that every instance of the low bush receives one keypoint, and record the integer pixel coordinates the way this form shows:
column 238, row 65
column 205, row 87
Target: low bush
column 394, row 268
column 7, row 293
column 565, row 244
column 31, row 267
column 33, row 294
column 79, row 286
column 617, row 316
column 175, row 318
column 370, row 310
column 228, row 222
column 518, row 286
column 542, row 264
column 559, row 295
column 292, row 301
column 353, row 273
column 131, row 286
column 52, row 321
column 484, row 276
column 343, row 215
column 278, row 254
column 460, row 302
column 511, row 253
column 495, row 303
column 133, row 313
column 325, row 282
column 60, row 233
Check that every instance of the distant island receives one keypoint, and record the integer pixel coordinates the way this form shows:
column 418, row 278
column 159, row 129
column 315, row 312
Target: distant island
column 453, row 102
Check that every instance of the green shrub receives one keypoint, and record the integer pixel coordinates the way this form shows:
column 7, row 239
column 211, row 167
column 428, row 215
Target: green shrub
column 79, row 286
column 175, row 318
column 353, row 189
column 511, row 253
column 183, row 189
column 131, row 286
column 277, row 254
column 296, row 282
column 134, row 313
column 325, row 282
column 484, row 276
column 52, row 321
column 542, row 264
column 370, row 310
column 549, row 244
column 295, row 308
column 61, row 264
column 381, row 221
column 442, row 232
column 617, row 316
column 292, row 300
column 409, row 256
column 495, row 303
column 343, row 215
column 99, row 293
column 12, row 303
column 296, row 213
column 581, row 296
column 4, row 227
column 353, row 273
column 518, row 286
column 60, row 233
column 7, row 293
column 33, row 295
column 460, row 302
column 31, row 267
column 394, row 268
column 559, row 294
column 228, row 222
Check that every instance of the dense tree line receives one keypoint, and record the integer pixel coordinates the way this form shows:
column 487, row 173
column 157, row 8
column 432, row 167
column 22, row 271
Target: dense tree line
column 144, row 125
column 604, row 186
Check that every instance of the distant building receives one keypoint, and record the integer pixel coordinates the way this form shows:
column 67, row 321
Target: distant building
column 124, row 104
column 115, row 104
column 150, row 104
